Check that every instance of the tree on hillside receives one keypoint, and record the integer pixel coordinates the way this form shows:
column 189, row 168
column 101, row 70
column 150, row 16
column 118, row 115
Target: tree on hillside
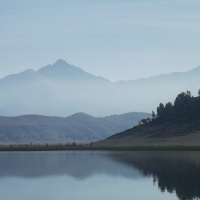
column 153, row 114
column 160, row 110
column 185, row 107
column 144, row 121
column 188, row 93
column 169, row 109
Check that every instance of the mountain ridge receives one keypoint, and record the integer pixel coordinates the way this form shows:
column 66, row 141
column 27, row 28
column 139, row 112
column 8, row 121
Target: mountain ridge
column 63, row 63
column 196, row 69
column 62, row 92
column 77, row 127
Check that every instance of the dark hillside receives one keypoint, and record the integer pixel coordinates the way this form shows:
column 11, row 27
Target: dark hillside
column 174, row 124
column 77, row 127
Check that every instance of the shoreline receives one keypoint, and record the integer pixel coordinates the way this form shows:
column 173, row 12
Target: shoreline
column 87, row 148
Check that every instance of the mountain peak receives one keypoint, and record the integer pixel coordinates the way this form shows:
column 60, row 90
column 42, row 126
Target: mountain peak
column 28, row 71
column 60, row 62
column 61, row 70
column 81, row 117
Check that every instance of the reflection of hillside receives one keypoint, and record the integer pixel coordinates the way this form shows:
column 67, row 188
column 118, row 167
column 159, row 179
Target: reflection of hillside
column 173, row 171
column 74, row 163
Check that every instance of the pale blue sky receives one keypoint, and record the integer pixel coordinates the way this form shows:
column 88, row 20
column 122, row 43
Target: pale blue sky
column 117, row 39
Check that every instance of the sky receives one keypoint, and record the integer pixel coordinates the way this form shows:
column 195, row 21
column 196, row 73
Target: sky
column 116, row 39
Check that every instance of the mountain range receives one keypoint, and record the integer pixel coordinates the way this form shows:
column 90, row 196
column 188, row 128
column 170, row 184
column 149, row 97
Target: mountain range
column 78, row 127
column 62, row 89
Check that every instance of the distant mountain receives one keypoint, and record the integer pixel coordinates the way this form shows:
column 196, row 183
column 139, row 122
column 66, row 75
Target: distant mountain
column 62, row 71
column 78, row 127
column 62, row 89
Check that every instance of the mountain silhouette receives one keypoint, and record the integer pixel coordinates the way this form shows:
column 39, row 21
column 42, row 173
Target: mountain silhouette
column 78, row 127
column 62, row 89
column 61, row 70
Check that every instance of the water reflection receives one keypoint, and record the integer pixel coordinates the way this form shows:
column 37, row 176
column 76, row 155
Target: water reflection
column 171, row 171
column 74, row 163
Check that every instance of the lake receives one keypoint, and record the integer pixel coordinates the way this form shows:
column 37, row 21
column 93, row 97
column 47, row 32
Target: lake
column 99, row 175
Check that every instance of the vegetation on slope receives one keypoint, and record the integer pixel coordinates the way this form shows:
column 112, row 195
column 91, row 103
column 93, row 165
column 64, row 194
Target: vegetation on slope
column 185, row 107
column 171, row 120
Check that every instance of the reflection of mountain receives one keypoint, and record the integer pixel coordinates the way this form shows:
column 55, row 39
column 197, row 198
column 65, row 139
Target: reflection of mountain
column 173, row 171
column 74, row 163
column 62, row 89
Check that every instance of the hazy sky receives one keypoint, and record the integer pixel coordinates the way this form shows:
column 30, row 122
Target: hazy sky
column 117, row 39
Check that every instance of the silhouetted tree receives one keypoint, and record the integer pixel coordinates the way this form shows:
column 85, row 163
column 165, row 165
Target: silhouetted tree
column 144, row 121
column 148, row 119
column 185, row 107
column 153, row 114
column 160, row 110
column 169, row 109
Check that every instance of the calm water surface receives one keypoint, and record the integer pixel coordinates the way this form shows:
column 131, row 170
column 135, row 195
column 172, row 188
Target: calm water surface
column 105, row 175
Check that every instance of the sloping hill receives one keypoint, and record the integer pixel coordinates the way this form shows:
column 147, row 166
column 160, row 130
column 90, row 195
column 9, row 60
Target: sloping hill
column 174, row 124
column 78, row 127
